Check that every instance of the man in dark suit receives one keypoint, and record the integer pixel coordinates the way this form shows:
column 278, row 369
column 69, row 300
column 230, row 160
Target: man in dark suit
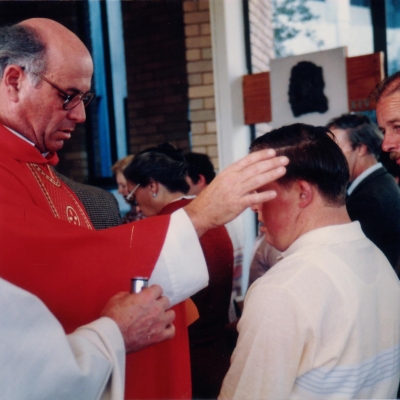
column 373, row 197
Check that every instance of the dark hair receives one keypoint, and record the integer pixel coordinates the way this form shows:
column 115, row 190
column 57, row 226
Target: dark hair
column 360, row 130
column 386, row 87
column 313, row 156
column 199, row 164
column 163, row 164
column 21, row 45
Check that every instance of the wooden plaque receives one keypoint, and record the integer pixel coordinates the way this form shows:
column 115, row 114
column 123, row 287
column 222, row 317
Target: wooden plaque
column 257, row 98
column 363, row 74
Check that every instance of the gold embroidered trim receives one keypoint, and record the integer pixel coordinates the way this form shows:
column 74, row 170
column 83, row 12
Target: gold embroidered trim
column 83, row 213
column 34, row 167
column 51, row 177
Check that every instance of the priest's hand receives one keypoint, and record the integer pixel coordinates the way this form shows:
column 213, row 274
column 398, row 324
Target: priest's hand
column 143, row 318
column 232, row 190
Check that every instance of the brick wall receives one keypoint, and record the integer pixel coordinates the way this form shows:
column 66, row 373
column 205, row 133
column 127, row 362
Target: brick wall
column 156, row 74
column 261, row 34
column 261, row 42
column 200, row 78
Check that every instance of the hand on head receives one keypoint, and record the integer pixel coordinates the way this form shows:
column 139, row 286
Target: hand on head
column 232, row 191
column 143, row 318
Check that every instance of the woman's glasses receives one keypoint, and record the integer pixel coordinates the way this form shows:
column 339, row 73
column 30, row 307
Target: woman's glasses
column 130, row 195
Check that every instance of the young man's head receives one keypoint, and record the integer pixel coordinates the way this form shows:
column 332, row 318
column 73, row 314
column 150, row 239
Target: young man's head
column 200, row 172
column 312, row 193
column 360, row 140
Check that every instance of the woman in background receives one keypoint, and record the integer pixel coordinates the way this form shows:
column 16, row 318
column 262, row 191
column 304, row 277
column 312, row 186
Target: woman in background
column 157, row 180
column 118, row 170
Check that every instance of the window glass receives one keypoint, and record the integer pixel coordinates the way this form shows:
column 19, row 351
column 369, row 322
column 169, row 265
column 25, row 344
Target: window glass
column 305, row 26
column 393, row 32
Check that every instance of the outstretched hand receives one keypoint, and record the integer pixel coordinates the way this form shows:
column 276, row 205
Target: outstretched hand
column 232, row 191
column 143, row 318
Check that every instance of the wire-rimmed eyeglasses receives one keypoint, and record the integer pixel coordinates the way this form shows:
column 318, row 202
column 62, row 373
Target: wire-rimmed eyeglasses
column 71, row 100
column 129, row 197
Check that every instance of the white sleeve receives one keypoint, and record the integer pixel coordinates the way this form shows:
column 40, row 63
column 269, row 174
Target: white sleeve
column 105, row 335
column 40, row 362
column 181, row 269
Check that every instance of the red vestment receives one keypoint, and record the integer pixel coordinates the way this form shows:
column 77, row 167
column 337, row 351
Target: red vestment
column 75, row 271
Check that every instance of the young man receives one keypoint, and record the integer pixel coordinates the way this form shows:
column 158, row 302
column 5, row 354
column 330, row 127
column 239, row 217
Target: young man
column 324, row 322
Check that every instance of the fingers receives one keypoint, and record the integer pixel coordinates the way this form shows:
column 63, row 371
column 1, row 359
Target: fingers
column 253, row 199
column 259, row 179
column 169, row 317
column 275, row 166
column 155, row 290
column 252, row 158
column 169, row 331
column 144, row 318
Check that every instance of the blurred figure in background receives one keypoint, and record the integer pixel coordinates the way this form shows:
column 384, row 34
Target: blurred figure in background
column 373, row 196
column 265, row 256
column 200, row 174
column 118, row 169
column 157, row 177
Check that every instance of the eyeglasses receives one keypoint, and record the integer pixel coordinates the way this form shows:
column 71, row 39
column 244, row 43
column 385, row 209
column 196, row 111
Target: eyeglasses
column 71, row 100
column 129, row 197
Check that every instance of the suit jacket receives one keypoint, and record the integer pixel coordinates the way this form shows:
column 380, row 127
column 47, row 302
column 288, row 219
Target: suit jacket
column 101, row 206
column 375, row 202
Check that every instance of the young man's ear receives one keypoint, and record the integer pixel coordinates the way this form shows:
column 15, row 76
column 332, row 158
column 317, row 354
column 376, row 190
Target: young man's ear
column 306, row 193
column 12, row 80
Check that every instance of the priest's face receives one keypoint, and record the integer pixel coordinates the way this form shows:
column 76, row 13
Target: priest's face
column 45, row 121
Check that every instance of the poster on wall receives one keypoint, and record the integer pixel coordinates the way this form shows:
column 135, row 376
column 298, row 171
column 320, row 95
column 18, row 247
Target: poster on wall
column 309, row 88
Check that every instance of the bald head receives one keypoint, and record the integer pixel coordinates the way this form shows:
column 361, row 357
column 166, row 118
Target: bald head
column 61, row 46
column 46, row 74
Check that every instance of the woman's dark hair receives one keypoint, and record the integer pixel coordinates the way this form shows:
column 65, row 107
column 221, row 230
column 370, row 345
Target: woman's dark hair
column 163, row 164
column 313, row 156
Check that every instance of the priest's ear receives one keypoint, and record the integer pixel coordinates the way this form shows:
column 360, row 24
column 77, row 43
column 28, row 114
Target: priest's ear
column 12, row 81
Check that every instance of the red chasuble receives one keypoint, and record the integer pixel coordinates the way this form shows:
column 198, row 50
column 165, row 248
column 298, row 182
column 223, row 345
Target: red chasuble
column 75, row 271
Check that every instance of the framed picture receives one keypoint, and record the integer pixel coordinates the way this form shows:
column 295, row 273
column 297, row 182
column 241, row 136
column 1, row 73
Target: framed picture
column 309, row 88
